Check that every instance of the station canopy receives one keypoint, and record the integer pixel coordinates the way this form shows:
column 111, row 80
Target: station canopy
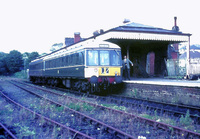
column 140, row 32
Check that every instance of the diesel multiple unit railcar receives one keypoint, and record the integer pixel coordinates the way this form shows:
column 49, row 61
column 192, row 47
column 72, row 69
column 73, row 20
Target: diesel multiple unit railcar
column 87, row 66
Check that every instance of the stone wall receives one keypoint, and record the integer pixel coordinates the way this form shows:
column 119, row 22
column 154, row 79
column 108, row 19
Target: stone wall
column 164, row 93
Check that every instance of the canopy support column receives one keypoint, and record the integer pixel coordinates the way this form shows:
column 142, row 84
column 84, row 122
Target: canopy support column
column 188, row 58
column 127, row 53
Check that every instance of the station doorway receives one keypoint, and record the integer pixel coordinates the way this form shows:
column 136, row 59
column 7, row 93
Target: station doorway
column 148, row 57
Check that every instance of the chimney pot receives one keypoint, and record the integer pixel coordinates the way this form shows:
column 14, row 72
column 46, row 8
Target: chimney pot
column 77, row 37
column 175, row 19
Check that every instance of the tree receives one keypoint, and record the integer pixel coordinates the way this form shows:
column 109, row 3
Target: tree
column 14, row 61
column 31, row 56
column 3, row 68
column 56, row 46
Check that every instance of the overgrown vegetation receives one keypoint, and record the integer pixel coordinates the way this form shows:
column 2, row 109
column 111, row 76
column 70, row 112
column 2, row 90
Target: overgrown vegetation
column 15, row 62
column 21, row 74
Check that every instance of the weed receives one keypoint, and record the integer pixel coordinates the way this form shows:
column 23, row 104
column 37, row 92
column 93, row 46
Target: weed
column 186, row 121
column 87, row 107
column 25, row 131
column 61, row 108
column 155, row 114
column 74, row 106
column 171, row 129
column 136, row 94
column 146, row 116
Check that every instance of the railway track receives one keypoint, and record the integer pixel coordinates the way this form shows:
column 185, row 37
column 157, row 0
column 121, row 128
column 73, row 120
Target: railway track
column 73, row 133
column 89, row 125
column 156, row 125
column 5, row 132
column 160, row 107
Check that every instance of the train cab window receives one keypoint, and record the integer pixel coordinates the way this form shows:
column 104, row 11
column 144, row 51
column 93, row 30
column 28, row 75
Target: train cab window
column 104, row 58
column 115, row 57
column 92, row 58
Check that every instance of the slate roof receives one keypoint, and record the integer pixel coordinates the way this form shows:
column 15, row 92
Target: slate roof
column 136, row 27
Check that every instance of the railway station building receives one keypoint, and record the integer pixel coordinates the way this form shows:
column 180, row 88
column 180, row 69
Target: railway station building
column 146, row 46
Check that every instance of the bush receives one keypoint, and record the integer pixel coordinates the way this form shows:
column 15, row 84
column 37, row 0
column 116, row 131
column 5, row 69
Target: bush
column 21, row 74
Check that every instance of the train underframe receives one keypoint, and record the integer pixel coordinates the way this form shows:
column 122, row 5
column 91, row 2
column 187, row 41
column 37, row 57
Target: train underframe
column 92, row 85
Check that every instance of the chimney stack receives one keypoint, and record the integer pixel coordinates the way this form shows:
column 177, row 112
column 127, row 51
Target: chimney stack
column 175, row 27
column 77, row 37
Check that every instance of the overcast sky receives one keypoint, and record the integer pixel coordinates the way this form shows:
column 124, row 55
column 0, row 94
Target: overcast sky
column 35, row 25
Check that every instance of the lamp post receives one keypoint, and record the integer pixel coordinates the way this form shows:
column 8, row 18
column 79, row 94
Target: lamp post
column 25, row 57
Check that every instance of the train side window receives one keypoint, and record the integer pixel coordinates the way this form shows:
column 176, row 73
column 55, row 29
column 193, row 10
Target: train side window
column 59, row 62
column 46, row 64
column 70, row 60
column 66, row 60
column 92, row 58
column 54, row 63
column 50, row 64
column 76, row 59
column 73, row 59
column 62, row 62
column 81, row 58
column 40, row 65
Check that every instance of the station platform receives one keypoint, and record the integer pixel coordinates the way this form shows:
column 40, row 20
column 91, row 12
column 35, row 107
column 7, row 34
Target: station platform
column 163, row 81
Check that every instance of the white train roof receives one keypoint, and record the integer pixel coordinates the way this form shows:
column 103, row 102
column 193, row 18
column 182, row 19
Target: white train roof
column 90, row 43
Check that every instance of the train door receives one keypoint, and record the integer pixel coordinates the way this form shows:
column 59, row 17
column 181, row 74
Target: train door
column 44, row 65
column 150, row 63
